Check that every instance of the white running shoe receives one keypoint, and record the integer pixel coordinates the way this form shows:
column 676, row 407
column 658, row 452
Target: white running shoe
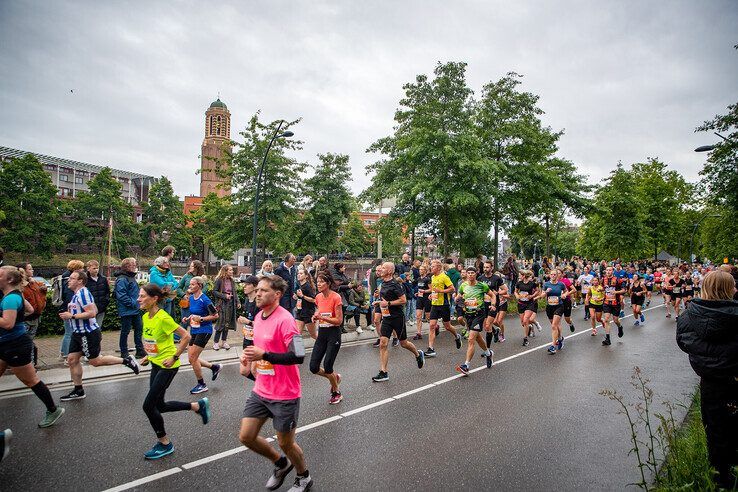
column 302, row 484
column 359, row 331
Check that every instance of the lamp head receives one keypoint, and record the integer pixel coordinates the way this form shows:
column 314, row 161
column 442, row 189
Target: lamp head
column 705, row 148
column 286, row 134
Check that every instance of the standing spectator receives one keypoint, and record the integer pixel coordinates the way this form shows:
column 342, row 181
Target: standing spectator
column 706, row 330
column 227, row 304
column 99, row 287
column 267, row 269
column 168, row 252
column 733, row 271
column 2, row 257
column 307, row 265
column 322, row 265
column 452, row 272
column 196, row 269
column 126, row 297
column 404, row 266
column 67, row 295
column 288, row 272
column 161, row 274
column 510, row 270
column 35, row 293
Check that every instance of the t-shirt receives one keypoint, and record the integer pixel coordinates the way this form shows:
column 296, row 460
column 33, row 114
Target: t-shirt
column 158, row 338
column 585, row 280
column 13, row 302
column 454, row 275
column 249, row 309
column 306, row 308
column 553, row 298
column 80, row 300
column 611, row 285
column 327, row 307
column 200, row 307
column 441, row 281
column 596, row 295
column 391, row 291
column 525, row 290
column 424, row 284
column 637, row 290
column 473, row 295
column 274, row 334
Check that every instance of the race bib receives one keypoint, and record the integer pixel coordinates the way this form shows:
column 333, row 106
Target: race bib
column 677, row 290
column 299, row 303
column 553, row 300
column 194, row 322
column 264, row 368
column 610, row 293
column 524, row 297
column 150, row 346
column 324, row 325
column 434, row 296
column 248, row 331
column 385, row 311
column 471, row 304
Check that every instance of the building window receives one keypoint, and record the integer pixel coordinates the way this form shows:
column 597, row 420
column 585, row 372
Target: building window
column 63, row 177
column 65, row 192
column 369, row 222
column 78, row 180
column 218, row 126
column 212, row 125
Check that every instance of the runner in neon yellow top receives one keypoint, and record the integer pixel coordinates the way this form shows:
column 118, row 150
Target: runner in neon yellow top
column 158, row 340
column 441, row 290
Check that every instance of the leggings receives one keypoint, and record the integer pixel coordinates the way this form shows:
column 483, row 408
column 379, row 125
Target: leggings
column 154, row 404
column 221, row 334
column 327, row 344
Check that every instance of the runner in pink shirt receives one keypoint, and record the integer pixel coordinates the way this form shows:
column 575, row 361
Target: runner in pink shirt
column 274, row 359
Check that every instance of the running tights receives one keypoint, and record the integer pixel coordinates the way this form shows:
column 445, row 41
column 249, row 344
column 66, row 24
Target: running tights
column 325, row 349
column 154, row 404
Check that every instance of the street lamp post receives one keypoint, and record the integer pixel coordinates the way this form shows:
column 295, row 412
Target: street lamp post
column 258, row 189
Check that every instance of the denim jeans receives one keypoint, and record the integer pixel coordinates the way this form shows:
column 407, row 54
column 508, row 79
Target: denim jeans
column 126, row 323
column 100, row 318
column 68, row 328
column 410, row 309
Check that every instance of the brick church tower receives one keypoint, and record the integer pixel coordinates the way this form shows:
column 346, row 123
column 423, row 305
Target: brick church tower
column 217, row 132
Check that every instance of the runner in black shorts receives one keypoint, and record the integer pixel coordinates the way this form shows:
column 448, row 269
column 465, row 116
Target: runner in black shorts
column 441, row 291
column 614, row 289
column 422, row 301
column 391, row 303
column 555, row 292
column 202, row 314
column 501, row 308
column 473, row 294
column 305, row 296
column 526, row 292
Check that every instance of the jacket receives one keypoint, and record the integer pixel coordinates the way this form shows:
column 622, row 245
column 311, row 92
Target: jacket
column 340, row 284
column 287, row 274
column 162, row 278
column 708, row 332
column 126, row 294
column 67, row 293
column 100, row 291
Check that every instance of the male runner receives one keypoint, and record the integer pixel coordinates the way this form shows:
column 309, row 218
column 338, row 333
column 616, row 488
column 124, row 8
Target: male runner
column 273, row 359
column 441, row 290
column 473, row 293
column 614, row 289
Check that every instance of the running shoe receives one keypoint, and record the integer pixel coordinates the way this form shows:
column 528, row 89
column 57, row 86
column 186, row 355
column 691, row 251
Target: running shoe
column 463, row 369
column 420, row 359
column 636, row 323
column 458, row 341
column 216, row 346
column 572, row 328
column 622, row 314
column 620, row 331
column 336, row 398
column 376, row 343
column 490, row 360
column 594, row 332
column 371, row 328
column 204, row 409
column 525, row 342
column 496, row 335
column 648, row 303
column 302, row 484
column 131, row 364
column 279, row 474
column 51, row 417
column 199, row 388
column 359, row 331
column 74, row 395
column 395, row 342
column 382, row 376
column 606, row 341
column 643, row 318
column 429, row 352
column 159, row 451
column 418, row 336
column 465, row 333
column 551, row 350
column 5, row 437
column 216, row 370
column 560, row 343
column 502, row 338
column 668, row 315
column 538, row 325
column 226, row 346
column 530, row 331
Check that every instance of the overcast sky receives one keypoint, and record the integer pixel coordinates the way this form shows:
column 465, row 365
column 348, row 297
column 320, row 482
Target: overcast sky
column 626, row 80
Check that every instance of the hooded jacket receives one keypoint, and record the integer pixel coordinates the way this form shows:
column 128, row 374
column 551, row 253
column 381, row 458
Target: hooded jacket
column 162, row 278
column 708, row 332
column 126, row 293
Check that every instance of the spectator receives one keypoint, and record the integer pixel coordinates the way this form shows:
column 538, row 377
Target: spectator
column 341, row 284
column 2, row 257
column 307, row 265
column 510, row 271
column 196, row 269
column 322, row 265
column 35, row 293
column 161, row 275
column 168, row 252
column 357, row 306
column 267, row 269
column 227, row 304
column 733, row 271
column 707, row 332
column 288, row 272
column 452, row 272
column 99, row 287
column 67, row 295
column 404, row 266
column 126, row 297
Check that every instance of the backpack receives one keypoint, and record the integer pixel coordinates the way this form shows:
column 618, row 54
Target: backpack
column 56, row 291
column 32, row 293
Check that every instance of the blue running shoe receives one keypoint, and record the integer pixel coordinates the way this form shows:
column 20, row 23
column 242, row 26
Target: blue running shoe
column 463, row 369
column 199, row 388
column 216, row 370
column 159, row 451
column 551, row 350
column 636, row 323
column 622, row 314
column 204, row 410
column 560, row 343
column 643, row 318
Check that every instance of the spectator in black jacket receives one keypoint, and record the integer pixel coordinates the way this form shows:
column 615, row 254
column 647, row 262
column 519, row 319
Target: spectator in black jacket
column 708, row 332
column 99, row 287
column 288, row 271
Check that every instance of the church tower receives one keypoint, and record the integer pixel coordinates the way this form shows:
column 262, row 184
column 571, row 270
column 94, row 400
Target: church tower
column 217, row 132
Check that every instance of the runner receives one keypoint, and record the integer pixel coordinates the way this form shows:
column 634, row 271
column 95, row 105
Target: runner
column 595, row 299
column 273, row 358
column 86, row 336
column 305, row 296
column 329, row 318
column 376, row 309
column 614, row 289
column 391, row 301
column 502, row 295
column 567, row 302
column 16, row 347
column 526, row 292
column 677, row 287
column 584, row 281
column 688, row 292
column 249, row 309
column 158, row 339
column 441, row 290
column 201, row 317
column 473, row 293
column 649, row 282
column 637, row 298
column 555, row 292
column 667, row 291
column 422, row 303
column 492, row 303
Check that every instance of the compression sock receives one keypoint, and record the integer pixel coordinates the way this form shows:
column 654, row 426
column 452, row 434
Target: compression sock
column 200, row 381
column 44, row 395
column 488, row 338
column 281, row 462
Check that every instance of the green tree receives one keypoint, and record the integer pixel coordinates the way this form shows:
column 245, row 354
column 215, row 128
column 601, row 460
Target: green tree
column 164, row 220
column 720, row 174
column 30, row 220
column 92, row 210
column 328, row 201
column 390, row 228
column 208, row 224
column 355, row 239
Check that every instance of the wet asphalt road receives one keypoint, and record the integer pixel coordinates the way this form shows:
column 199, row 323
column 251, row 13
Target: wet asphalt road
column 533, row 422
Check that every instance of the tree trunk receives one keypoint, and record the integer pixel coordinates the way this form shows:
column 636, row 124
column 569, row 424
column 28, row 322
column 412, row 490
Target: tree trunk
column 412, row 244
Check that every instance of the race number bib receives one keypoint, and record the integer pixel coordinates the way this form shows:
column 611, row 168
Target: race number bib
column 264, row 368
column 553, row 300
column 677, row 290
column 323, row 324
column 194, row 321
column 524, row 297
column 471, row 304
column 248, row 331
column 434, row 296
column 385, row 311
column 610, row 293
column 150, row 346
column 299, row 303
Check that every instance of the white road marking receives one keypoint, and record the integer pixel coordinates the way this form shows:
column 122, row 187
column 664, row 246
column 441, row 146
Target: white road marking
column 335, row 418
